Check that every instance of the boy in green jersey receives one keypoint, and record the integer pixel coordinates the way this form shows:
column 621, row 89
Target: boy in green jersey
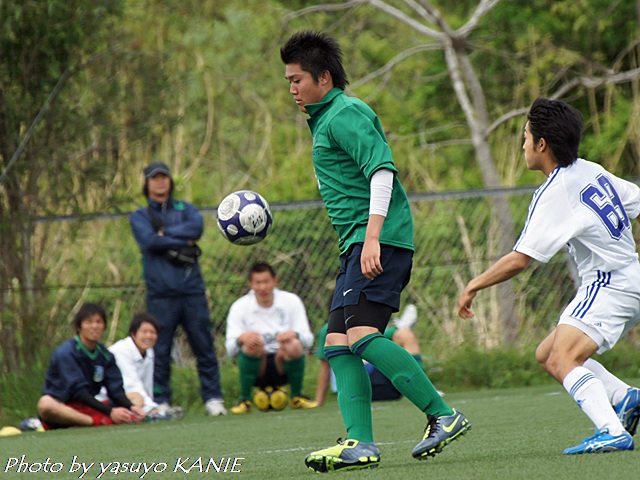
column 369, row 209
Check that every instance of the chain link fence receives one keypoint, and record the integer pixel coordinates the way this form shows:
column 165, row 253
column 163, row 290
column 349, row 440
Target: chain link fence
column 96, row 259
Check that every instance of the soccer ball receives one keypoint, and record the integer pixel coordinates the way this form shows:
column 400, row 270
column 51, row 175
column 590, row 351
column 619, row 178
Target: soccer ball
column 270, row 399
column 244, row 217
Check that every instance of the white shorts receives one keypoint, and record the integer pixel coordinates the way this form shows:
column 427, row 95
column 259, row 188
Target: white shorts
column 606, row 306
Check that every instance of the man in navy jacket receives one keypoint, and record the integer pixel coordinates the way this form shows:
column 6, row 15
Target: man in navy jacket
column 167, row 231
column 78, row 370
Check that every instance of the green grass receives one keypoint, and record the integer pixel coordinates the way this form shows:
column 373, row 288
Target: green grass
column 517, row 434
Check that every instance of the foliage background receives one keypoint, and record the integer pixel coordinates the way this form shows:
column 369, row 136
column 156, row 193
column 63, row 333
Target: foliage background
column 199, row 85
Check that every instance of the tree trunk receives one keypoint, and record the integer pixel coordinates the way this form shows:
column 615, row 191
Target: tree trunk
column 471, row 98
column 505, row 238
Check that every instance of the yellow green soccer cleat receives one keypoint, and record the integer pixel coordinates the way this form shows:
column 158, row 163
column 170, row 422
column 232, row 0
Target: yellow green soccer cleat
column 439, row 432
column 243, row 406
column 302, row 403
column 348, row 455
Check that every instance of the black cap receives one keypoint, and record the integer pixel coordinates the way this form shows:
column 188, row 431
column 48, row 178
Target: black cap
column 155, row 168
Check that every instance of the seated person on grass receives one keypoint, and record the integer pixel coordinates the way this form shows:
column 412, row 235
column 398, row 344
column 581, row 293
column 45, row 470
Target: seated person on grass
column 268, row 330
column 134, row 357
column 381, row 386
column 79, row 368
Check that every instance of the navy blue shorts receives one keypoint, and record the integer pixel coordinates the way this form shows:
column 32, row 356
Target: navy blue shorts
column 385, row 288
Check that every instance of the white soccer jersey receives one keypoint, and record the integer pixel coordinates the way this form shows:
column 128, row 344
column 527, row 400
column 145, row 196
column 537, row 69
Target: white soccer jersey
column 286, row 313
column 588, row 209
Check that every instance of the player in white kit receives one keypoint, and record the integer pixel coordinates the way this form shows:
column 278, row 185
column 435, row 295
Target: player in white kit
column 583, row 206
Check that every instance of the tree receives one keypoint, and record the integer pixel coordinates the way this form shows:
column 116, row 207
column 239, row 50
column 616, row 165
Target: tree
column 39, row 46
column 423, row 17
column 57, row 62
column 471, row 99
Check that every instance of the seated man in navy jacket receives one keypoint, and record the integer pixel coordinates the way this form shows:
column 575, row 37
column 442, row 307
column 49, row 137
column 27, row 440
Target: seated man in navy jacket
column 79, row 368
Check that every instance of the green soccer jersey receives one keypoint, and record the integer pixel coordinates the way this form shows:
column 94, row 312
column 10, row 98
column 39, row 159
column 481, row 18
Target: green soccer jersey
column 349, row 146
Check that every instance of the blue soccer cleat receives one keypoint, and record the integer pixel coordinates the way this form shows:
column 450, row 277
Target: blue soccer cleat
column 602, row 442
column 348, row 455
column 628, row 410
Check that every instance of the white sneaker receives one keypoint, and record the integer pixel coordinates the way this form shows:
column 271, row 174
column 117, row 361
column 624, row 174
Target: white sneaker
column 165, row 410
column 162, row 408
column 31, row 424
column 215, row 407
column 408, row 318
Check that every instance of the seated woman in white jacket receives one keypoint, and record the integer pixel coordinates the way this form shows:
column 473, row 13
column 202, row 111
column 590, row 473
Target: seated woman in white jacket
column 134, row 356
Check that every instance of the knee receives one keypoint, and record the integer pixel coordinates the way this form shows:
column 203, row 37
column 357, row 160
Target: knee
column 45, row 405
column 291, row 350
column 407, row 339
column 402, row 336
column 163, row 346
column 554, row 364
column 253, row 350
column 335, row 340
column 356, row 334
column 542, row 355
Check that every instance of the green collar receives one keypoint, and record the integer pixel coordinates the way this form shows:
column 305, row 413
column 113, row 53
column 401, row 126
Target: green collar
column 314, row 108
column 92, row 355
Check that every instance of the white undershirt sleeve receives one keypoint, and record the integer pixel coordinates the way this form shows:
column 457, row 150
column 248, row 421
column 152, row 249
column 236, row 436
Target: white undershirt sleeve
column 381, row 188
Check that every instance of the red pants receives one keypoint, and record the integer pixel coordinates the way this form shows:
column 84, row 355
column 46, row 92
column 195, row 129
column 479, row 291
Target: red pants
column 97, row 417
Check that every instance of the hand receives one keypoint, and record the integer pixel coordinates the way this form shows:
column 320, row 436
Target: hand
column 121, row 415
column 251, row 340
column 464, row 304
column 286, row 336
column 370, row 259
column 138, row 414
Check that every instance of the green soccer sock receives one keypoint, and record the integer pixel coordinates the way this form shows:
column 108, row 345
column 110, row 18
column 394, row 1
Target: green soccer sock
column 354, row 392
column 294, row 369
column 249, row 367
column 405, row 373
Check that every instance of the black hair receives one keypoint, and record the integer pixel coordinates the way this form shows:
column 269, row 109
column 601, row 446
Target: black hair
column 316, row 52
column 88, row 310
column 140, row 318
column 560, row 125
column 260, row 267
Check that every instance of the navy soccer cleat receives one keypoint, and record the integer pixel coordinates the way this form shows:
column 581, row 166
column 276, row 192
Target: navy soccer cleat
column 439, row 432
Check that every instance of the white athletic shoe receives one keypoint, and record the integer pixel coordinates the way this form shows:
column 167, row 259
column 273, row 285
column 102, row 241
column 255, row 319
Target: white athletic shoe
column 215, row 407
column 31, row 424
column 169, row 412
column 408, row 318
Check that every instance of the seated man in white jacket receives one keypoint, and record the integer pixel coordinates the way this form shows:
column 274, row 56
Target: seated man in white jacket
column 134, row 357
column 268, row 331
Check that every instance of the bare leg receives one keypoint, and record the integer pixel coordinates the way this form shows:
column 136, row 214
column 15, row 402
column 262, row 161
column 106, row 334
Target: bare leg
column 53, row 411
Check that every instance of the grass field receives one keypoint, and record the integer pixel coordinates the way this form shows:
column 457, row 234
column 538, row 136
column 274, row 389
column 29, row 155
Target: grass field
column 516, row 434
